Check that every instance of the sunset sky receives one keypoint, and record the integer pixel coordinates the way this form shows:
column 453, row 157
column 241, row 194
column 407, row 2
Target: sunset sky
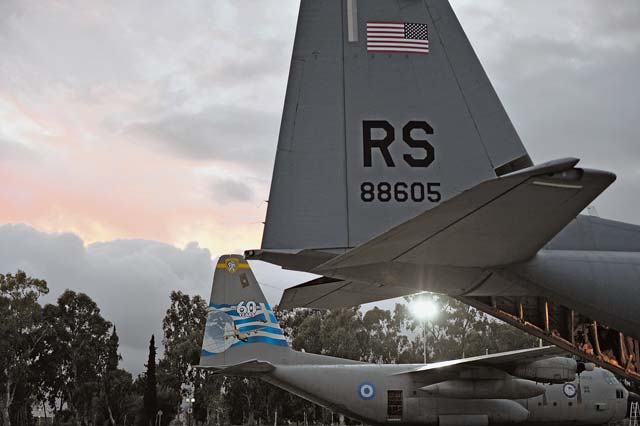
column 149, row 121
column 137, row 138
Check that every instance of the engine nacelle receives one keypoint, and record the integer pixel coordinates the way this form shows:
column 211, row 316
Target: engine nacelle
column 509, row 388
column 550, row 370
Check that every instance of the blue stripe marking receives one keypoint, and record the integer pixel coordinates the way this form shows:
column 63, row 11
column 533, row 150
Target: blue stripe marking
column 263, row 339
column 261, row 328
column 270, row 311
column 250, row 340
column 216, row 306
column 262, row 316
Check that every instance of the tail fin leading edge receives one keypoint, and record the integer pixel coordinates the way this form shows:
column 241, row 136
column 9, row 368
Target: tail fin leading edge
column 241, row 326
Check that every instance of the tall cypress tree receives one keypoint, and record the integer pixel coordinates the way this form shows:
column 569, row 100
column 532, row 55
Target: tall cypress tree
column 150, row 391
column 109, row 373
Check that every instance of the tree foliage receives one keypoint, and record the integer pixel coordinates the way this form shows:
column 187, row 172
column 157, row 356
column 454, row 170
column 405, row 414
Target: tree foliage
column 22, row 330
column 81, row 344
column 183, row 328
column 150, row 401
column 64, row 356
column 377, row 336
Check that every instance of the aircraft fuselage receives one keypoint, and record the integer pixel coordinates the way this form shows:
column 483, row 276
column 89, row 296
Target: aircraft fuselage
column 601, row 285
column 380, row 394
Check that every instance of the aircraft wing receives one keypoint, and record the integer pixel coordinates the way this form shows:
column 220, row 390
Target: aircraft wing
column 498, row 222
column 539, row 365
column 502, row 361
column 329, row 293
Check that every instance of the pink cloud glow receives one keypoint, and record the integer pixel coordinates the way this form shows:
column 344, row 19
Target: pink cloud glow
column 122, row 120
column 101, row 185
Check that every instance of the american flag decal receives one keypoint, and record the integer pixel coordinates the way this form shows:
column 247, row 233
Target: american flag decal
column 404, row 37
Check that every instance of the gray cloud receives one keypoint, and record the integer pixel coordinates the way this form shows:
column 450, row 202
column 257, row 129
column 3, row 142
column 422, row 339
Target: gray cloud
column 8, row 9
column 129, row 279
column 226, row 190
column 238, row 135
column 10, row 150
column 198, row 80
column 566, row 72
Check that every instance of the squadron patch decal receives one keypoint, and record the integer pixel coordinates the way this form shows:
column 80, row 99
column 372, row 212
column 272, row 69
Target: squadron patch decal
column 366, row 391
column 232, row 265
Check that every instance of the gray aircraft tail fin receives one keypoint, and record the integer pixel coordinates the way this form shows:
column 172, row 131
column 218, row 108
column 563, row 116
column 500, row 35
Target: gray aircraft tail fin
column 241, row 330
column 388, row 112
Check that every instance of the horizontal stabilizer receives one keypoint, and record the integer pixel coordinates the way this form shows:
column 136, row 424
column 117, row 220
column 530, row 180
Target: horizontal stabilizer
column 297, row 260
column 328, row 293
column 498, row 222
column 248, row 368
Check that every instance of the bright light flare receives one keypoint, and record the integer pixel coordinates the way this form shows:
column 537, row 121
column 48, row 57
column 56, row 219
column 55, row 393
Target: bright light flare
column 425, row 309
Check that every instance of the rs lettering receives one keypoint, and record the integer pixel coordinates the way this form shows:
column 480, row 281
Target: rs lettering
column 379, row 135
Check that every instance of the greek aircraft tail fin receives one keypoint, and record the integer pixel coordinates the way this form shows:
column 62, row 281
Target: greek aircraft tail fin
column 388, row 112
column 241, row 330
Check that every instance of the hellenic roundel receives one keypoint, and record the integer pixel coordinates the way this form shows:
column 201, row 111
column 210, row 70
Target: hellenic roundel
column 570, row 390
column 366, row 391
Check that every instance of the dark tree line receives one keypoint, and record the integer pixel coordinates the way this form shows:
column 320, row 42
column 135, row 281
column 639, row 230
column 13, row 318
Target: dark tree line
column 377, row 336
column 64, row 357
column 61, row 356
